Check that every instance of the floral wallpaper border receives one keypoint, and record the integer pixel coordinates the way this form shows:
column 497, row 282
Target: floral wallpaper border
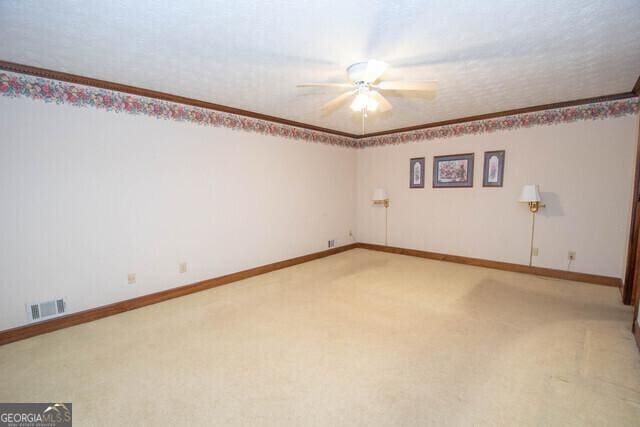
column 595, row 111
column 48, row 90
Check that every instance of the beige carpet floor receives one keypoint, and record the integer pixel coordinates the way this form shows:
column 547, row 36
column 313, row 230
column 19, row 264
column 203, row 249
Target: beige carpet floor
column 359, row 338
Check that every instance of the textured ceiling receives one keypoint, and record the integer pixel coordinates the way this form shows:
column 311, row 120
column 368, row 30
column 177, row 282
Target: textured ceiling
column 487, row 55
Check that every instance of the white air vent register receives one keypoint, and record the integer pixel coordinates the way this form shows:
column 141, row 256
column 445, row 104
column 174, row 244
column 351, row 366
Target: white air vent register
column 46, row 310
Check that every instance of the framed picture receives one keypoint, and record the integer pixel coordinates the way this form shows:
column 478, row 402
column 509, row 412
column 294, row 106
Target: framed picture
column 493, row 168
column 453, row 171
column 416, row 172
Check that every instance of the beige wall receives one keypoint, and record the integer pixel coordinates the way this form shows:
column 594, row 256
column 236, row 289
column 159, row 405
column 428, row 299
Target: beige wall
column 89, row 196
column 585, row 173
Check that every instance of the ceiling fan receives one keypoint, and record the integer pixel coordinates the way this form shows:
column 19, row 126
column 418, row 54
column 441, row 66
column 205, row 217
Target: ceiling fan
column 365, row 86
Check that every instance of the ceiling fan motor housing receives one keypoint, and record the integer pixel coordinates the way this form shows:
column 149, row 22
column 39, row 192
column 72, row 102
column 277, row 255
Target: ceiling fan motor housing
column 358, row 72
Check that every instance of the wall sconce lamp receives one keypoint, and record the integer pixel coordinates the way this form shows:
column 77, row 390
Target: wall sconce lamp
column 531, row 195
column 380, row 198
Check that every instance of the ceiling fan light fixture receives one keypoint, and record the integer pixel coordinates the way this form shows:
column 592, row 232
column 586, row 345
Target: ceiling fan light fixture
column 364, row 102
column 360, row 102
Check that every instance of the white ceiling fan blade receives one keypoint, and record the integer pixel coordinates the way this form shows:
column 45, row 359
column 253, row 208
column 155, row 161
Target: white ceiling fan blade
column 429, row 86
column 383, row 104
column 337, row 101
column 374, row 70
column 337, row 85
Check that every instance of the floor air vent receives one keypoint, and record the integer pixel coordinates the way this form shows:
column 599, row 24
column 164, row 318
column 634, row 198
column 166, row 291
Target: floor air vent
column 45, row 310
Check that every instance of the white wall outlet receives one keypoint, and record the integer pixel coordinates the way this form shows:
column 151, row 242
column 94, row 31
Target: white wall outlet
column 331, row 243
column 183, row 267
column 131, row 278
column 535, row 252
column 572, row 255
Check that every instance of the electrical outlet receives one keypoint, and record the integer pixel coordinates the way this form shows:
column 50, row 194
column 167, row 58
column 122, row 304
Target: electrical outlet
column 183, row 267
column 535, row 252
column 572, row 255
column 331, row 243
column 131, row 278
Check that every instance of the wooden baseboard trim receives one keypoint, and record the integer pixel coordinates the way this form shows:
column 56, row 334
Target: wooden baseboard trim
column 31, row 330
column 499, row 265
column 27, row 331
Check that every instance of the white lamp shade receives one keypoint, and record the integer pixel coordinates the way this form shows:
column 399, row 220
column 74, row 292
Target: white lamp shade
column 530, row 193
column 379, row 194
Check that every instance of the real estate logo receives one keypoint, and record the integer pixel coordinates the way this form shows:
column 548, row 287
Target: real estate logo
column 35, row 414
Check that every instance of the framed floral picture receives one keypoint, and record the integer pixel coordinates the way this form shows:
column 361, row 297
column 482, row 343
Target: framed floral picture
column 493, row 168
column 453, row 171
column 416, row 172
